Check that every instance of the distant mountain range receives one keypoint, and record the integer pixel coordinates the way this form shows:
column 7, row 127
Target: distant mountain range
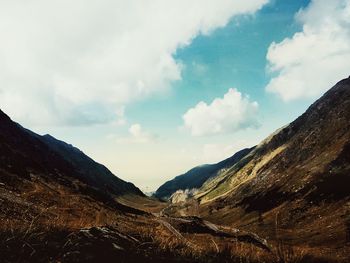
column 197, row 176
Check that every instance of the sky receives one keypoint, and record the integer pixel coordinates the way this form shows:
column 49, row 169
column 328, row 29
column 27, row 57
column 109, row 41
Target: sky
column 152, row 88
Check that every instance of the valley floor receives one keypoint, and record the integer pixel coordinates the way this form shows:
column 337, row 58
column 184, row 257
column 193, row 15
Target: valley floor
column 49, row 224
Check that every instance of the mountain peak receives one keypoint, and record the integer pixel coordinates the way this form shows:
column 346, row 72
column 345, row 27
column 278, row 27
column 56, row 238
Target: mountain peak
column 4, row 117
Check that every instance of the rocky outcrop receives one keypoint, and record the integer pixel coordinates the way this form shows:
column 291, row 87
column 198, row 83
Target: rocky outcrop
column 101, row 244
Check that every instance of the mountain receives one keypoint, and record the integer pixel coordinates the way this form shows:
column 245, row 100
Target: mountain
column 94, row 174
column 294, row 186
column 31, row 154
column 196, row 177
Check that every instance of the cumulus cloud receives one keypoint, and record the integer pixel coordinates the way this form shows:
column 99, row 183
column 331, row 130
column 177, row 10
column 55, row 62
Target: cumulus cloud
column 313, row 60
column 139, row 135
column 136, row 135
column 76, row 62
column 231, row 113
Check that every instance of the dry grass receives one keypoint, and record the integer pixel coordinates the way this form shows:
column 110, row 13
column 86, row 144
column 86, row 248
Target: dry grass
column 206, row 248
column 289, row 254
column 39, row 232
column 156, row 242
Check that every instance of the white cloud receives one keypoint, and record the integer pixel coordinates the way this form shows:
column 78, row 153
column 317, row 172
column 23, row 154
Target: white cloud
column 139, row 135
column 315, row 59
column 231, row 113
column 75, row 62
column 136, row 135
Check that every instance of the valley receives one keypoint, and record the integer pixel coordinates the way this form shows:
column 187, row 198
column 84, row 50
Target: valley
column 284, row 200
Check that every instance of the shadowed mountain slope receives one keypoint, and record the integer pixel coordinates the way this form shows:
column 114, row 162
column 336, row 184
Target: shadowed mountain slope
column 196, row 177
column 94, row 173
column 28, row 154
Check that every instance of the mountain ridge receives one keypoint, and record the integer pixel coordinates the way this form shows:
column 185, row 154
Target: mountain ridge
column 197, row 176
column 98, row 174
column 29, row 153
column 278, row 138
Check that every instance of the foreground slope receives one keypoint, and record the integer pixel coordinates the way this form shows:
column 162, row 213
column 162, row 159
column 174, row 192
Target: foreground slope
column 197, row 176
column 295, row 185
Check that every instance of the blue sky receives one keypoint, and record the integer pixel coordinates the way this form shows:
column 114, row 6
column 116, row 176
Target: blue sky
column 232, row 56
column 153, row 88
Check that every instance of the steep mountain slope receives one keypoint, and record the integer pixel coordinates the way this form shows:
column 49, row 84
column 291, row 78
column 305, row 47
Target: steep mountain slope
column 196, row 177
column 28, row 153
column 94, row 173
column 294, row 186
